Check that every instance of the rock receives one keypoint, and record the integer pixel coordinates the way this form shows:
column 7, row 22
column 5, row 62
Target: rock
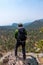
column 40, row 58
column 10, row 59
column 5, row 60
column 32, row 60
column 1, row 55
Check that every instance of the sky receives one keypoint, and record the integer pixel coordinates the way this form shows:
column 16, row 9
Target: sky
column 20, row 11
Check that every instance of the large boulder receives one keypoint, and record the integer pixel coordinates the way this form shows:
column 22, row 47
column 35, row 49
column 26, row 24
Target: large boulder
column 31, row 60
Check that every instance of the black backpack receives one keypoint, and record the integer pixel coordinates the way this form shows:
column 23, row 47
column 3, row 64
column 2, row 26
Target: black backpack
column 21, row 34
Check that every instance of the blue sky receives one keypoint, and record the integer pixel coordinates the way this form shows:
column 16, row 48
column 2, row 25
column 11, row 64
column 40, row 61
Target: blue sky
column 15, row 11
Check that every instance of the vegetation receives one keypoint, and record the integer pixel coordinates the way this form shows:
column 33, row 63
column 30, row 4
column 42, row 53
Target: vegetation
column 34, row 42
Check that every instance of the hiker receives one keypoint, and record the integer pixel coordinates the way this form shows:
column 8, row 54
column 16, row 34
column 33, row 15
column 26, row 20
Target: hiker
column 20, row 35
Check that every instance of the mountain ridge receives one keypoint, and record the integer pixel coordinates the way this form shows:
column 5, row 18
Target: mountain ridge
column 30, row 25
column 36, row 24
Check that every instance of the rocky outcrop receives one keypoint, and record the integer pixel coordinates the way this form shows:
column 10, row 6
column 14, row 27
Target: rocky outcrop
column 10, row 59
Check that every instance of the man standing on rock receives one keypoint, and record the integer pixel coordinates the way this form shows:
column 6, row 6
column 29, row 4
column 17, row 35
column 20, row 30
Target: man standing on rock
column 20, row 35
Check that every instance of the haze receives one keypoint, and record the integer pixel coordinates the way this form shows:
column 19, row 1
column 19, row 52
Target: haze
column 15, row 11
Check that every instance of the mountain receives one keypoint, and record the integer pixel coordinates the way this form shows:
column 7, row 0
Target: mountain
column 9, row 27
column 26, row 24
column 34, row 34
column 30, row 25
column 35, row 24
column 14, row 24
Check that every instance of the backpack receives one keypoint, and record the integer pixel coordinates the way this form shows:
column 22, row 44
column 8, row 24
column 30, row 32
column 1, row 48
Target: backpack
column 21, row 34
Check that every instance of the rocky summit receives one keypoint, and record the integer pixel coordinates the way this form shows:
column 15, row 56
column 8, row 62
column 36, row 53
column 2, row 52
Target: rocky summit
column 31, row 59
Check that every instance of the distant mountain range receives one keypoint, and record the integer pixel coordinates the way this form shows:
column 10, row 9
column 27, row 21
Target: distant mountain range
column 15, row 24
column 25, row 24
column 35, row 24
column 31, row 25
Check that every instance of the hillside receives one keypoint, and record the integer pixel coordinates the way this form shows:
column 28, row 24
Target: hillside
column 36, row 24
column 34, row 42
